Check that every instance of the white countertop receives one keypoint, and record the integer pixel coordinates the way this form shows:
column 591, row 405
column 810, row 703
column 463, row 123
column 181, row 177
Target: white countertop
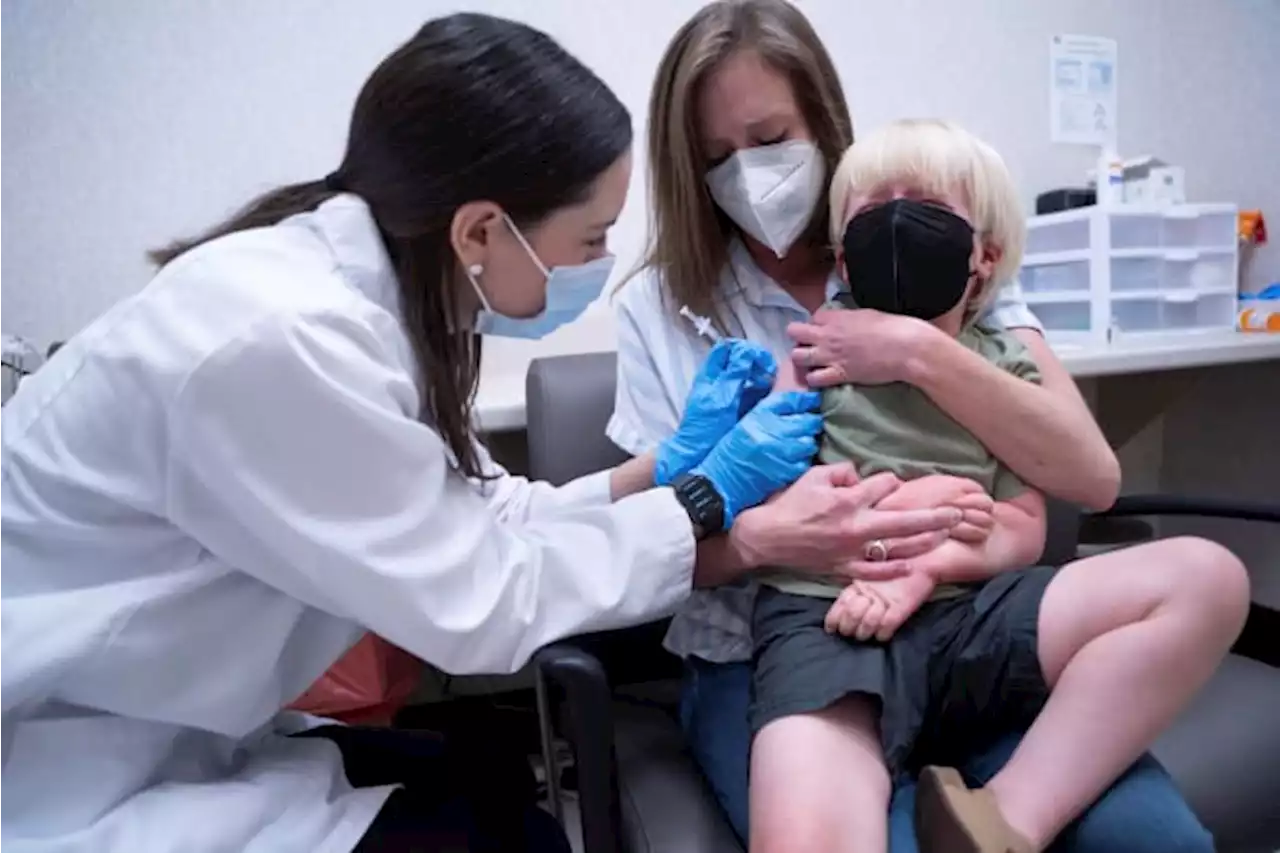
column 500, row 402
column 1169, row 353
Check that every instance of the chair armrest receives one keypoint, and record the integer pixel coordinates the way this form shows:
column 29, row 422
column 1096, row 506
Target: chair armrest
column 589, row 705
column 1189, row 505
column 1260, row 639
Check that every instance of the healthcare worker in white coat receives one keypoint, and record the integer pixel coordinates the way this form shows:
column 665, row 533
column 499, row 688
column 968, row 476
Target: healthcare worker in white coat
column 218, row 487
column 214, row 490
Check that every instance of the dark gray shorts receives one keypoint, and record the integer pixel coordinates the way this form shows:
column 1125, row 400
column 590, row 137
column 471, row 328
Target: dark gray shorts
column 960, row 673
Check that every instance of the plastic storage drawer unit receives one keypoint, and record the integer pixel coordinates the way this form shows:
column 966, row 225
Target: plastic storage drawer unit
column 1091, row 273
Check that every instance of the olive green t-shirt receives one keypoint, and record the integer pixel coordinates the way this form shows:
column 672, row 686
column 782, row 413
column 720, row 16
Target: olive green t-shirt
column 897, row 428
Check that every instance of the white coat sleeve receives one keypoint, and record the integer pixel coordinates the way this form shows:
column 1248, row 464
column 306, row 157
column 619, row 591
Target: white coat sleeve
column 293, row 458
column 516, row 499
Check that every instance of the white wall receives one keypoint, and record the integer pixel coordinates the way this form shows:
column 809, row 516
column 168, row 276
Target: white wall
column 133, row 122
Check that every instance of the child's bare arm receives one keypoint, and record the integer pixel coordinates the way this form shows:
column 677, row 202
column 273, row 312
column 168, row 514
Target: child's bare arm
column 939, row 490
column 788, row 377
column 878, row 608
column 1016, row 541
column 867, row 609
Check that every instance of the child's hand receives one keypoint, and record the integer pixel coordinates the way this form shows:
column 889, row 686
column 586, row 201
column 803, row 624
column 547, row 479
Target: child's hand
column 867, row 609
column 940, row 490
column 977, row 520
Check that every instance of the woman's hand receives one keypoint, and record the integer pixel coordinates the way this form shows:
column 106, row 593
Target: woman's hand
column 885, row 556
column 826, row 521
column 734, row 377
column 768, row 449
column 856, row 345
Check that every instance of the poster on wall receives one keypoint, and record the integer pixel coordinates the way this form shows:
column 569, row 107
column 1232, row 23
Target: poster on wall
column 1082, row 90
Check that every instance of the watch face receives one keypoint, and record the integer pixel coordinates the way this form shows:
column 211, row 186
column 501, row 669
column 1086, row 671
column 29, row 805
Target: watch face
column 701, row 500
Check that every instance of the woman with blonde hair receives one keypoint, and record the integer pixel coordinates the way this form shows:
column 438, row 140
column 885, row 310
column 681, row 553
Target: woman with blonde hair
column 747, row 122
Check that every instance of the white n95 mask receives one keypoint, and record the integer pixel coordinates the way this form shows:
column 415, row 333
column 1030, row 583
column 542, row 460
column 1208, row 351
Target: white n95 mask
column 570, row 291
column 771, row 191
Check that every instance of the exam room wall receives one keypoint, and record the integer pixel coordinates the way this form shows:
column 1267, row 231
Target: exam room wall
column 130, row 123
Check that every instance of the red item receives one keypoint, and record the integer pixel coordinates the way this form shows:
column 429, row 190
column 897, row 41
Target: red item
column 367, row 686
column 1252, row 227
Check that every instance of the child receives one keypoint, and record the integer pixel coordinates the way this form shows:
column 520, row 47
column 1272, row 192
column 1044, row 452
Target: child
column 926, row 221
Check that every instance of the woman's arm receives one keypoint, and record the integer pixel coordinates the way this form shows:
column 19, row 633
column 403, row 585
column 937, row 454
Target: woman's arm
column 518, row 500
column 1044, row 433
column 1016, row 541
column 1056, row 445
column 821, row 525
column 632, row 477
column 733, row 377
column 365, row 520
column 876, row 605
column 721, row 560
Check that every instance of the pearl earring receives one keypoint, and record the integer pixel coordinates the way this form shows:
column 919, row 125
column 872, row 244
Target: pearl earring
column 475, row 269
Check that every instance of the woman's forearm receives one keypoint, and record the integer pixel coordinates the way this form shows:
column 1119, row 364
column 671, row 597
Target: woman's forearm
column 1016, row 541
column 1044, row 433
column 631, row 477
column 720, row 561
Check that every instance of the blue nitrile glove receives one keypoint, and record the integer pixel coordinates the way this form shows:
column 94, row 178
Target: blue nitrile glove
column 767, row 450
column 736, row 375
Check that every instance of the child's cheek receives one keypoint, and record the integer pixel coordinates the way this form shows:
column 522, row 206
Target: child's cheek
column 788, row 378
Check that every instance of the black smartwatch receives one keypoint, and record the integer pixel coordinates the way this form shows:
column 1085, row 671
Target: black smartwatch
column 703, row 503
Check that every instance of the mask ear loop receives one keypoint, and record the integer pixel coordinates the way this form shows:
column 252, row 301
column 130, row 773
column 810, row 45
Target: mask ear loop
column 529, row 249
column 473, row 273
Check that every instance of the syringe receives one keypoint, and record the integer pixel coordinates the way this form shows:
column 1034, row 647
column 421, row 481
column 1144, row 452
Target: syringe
column 701, row 325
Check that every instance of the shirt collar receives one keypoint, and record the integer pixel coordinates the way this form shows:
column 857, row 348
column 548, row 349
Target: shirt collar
column 346, row 226
column 743, row 277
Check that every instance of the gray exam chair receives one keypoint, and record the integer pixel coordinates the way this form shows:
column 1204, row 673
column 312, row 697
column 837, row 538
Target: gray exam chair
column 639, row 789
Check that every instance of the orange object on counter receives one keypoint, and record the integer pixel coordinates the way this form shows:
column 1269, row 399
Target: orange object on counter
column 367, row 686
column 1252, row 227
column 1252, row 320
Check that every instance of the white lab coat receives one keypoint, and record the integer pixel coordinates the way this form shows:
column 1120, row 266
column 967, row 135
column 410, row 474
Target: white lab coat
column 208, row 496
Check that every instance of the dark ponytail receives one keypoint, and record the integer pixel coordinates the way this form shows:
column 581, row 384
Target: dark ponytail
column 471, row 108
column 267, row 209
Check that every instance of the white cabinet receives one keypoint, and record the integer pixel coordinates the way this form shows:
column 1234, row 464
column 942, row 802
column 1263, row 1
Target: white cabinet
column 1093, row 274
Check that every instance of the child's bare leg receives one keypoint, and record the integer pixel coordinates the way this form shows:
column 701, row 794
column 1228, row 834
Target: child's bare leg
column 1125, row 640
column 818, row 782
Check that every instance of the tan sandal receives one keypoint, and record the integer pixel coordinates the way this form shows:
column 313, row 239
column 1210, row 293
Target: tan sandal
column 951, row 817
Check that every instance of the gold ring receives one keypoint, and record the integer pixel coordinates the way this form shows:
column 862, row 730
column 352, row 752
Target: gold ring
column 877, row 551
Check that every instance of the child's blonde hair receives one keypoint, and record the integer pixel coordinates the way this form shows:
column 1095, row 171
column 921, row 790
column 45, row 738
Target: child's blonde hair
column 941, row 159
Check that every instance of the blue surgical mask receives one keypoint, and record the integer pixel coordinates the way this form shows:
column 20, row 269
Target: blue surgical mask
column 570, row 290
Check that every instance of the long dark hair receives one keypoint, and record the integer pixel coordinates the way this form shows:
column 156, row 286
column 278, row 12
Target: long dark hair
column 471, row 108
